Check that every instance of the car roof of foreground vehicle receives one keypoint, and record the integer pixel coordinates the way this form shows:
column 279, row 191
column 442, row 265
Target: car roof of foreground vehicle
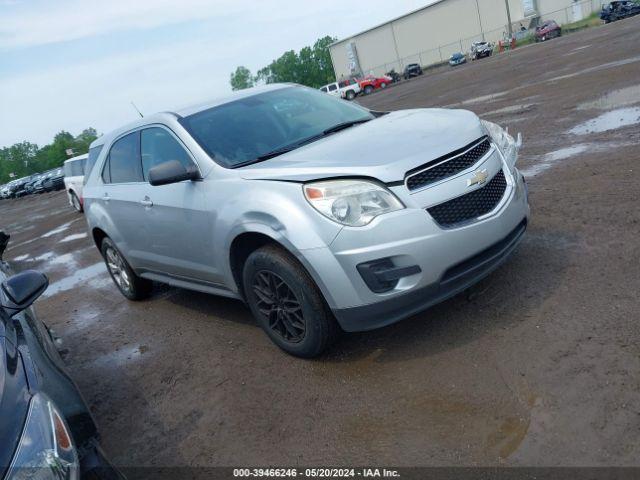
column 190, row 110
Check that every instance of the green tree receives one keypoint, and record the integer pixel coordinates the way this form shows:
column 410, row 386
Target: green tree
column 311, row 66
column 241, row 79
column 86, row 137
column 25, row 158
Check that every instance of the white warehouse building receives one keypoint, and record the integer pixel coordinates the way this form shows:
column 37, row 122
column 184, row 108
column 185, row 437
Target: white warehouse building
column 432, row 33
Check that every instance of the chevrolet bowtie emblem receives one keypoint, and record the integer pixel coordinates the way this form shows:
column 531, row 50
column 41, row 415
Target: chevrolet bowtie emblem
column 479, row 178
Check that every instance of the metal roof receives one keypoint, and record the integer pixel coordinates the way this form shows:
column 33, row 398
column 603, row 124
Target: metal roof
column 387, row 22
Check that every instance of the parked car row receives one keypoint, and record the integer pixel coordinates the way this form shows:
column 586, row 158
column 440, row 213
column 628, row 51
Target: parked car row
column 70, row 177
column 48, row 181
column 349, row 89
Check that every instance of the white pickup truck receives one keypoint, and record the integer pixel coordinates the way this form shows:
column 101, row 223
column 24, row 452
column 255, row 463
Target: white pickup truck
column 348, row 89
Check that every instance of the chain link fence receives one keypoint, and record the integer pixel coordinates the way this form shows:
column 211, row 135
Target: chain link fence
column 429, row 58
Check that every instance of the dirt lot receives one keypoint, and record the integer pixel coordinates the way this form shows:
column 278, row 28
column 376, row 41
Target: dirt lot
column 537, row 365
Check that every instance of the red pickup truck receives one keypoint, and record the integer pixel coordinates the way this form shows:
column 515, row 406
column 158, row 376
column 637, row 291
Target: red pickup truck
column 370, row 83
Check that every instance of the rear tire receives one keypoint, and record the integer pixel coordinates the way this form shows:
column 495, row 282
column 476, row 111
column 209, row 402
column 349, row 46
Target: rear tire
column 130, row 285
column 383, row 85
column 351, row 95
column 75, row 201
column 287, row 303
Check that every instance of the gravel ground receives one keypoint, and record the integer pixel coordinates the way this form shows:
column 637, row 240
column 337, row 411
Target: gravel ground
column 537, row 365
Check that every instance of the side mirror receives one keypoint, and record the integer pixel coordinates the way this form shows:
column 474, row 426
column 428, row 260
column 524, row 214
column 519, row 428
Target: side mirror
column 171, row 172
column 21, row 290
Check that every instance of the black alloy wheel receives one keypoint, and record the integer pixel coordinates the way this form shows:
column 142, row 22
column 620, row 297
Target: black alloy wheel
column 277, row 302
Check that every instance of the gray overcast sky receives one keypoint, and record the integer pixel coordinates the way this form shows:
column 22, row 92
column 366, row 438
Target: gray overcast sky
column 71, row 64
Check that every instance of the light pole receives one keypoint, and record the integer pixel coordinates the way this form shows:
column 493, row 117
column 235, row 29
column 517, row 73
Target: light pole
column 506, row 3
column 480, row 20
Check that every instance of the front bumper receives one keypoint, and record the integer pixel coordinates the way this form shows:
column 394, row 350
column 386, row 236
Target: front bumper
column 457, row 279
column 450, row 260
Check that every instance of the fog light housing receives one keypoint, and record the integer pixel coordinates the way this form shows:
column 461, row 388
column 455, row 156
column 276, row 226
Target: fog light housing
column 382, row 275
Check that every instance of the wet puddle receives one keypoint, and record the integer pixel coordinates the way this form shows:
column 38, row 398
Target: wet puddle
column 612, row 120
column 483, row 99
column 82, row 275
column 57, row 230
column 597, row 68
column 550, row 158
column 76, row 236
column 120, row 356
column 512, row 109
column 615, row 99
column 44, row 257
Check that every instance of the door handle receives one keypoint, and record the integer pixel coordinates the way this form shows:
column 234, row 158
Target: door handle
column 105, row 197
column 146, row 202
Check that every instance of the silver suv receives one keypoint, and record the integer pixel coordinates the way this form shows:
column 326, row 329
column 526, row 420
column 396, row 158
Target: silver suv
column 319, row 214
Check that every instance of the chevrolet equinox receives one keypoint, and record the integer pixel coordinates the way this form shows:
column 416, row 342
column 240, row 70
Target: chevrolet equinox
column 318, row 213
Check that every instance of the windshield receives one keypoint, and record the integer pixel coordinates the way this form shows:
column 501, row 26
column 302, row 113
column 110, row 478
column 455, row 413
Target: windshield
column 252, row 128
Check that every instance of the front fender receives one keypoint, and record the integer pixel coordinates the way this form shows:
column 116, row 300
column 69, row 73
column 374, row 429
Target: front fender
column 279, row 211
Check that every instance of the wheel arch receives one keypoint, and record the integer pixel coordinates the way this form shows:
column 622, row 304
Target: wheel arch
column 98, row 236
column 253, row 236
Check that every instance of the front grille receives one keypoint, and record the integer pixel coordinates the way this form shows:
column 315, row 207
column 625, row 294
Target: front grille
column 448, row 165
column 472, row 205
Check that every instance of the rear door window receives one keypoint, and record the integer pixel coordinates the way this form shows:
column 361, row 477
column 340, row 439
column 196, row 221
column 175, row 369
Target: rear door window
column 158, row 146
column 123, row 164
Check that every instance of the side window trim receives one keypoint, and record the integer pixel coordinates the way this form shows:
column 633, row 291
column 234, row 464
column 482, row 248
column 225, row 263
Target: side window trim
column 176, row 138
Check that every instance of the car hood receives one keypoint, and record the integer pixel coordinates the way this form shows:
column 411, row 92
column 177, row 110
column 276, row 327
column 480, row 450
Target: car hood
column 384, row 148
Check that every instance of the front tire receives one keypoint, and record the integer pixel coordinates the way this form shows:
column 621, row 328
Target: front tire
column 75, row 201
column 287, row 303
column 130, row 285
column 368, row 89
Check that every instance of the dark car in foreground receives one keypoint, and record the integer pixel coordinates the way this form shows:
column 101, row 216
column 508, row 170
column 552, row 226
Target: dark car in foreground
column 618, row 10
column 46, row 428
column 549, row 29
column 412, row 70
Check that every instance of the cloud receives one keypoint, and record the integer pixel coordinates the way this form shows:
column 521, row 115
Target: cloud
column 98, row 92
column 60, row 21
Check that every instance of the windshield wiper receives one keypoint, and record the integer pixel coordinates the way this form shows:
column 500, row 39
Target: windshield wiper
column 345, row 125
column 293, row 146
column 276, row 152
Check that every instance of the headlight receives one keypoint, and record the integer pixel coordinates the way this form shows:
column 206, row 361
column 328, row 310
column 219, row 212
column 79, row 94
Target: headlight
column 351, row 202
column 505, row 142
column 46, row 450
